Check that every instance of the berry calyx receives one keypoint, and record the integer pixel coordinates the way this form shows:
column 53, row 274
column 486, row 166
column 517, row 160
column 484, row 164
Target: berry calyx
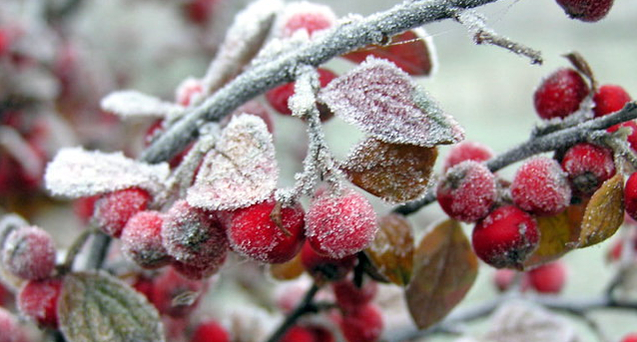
column 341, row 225
column 560, row 94
column 267, row 232
column 505, row 237
column 141, row 240
column 114, row 209
column 467, row 150
column 609, row 98
column 586, row 10
column 323, row 268
column 588, row 166
column 38, row 300
column 467, row 191
column 548, row 278
column 210, row 330
column 541, row 187
column 29, row 253
column 362, row 325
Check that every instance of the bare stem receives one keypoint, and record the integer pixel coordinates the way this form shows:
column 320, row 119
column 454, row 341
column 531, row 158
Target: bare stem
column 306, row 306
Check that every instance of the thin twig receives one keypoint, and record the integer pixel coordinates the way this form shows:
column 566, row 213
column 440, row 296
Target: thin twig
column 306, row 306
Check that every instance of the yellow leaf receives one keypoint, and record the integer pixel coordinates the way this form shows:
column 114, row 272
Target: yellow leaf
column 392, row 250
column 604, row 213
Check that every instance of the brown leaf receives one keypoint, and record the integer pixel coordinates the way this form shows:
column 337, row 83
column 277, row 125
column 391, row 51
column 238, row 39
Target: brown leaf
column 397, row 173
column 445, row 268
column 604, row 213
column 410, row 51
column 393, row 248
column 579, row 62
column 559, row 234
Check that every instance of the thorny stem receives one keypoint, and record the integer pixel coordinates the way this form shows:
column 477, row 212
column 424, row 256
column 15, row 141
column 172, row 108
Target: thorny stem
column 538, row 144
column 306, row 306
column 341, row 39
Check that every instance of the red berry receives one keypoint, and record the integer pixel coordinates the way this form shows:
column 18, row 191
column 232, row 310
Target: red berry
column 304, row 15
column 467, row 191
column 560, row 94
column 541, row 187
column 586, row 10
column 194, row 237
column 10, row 328
column 467, row 150
column 84, row 207
column 632, row 137
column 210, row 331
column 267, row 232
column 548, row 278
column 632, row 337
column 504, row 277
column 325, row 268
column 38, row 300
column 279, row 96
column 505, row 237
column 338, row 226
column 188, row 90
column 588, row 166
column 29, row 253
column 114, row 209
column 199, row 11
column 349, row 297
column 175, row 295
column 630, row 196
column 141, row 240
column 299, row 333
column 144, row 285
column 609, row 98
column 362, row 325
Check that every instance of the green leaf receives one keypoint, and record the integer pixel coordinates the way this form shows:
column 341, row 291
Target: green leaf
column 392, row 251
column 98, row 307
column 604, row 213
column 445, row 268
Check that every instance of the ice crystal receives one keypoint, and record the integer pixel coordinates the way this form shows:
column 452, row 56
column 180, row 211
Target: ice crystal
column 381, row 99
column 131, row 103
column 75, row 173
column 241, row 170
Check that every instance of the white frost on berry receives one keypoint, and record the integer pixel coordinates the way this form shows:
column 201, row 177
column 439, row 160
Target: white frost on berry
column 381, row 100
column 240, row 171
column 131, row 103
column 75, row 173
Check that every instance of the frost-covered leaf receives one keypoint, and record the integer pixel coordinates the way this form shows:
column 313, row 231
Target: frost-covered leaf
column 397, row 173
column 131, row 103
column 413, row 51
column 75, row 173
column 604, row 213
column 523, row 322
column 98, row 307
column 392, row 252
column 559, row 234
column 241, row 170
column 242, row 42
column 381, row 100
column 445, row 268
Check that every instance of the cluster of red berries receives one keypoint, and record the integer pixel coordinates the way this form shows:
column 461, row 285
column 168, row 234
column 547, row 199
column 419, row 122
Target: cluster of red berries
column 504, row 213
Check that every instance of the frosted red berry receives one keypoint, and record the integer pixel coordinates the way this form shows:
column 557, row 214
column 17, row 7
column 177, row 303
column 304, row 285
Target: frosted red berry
column 279, row 96
column 586, row 10
column 630, row 196
column 298, row 333
column 364, row 324
column 588, row 166
column 560, row 94
column 467, row 150
column 467, row 191
column 38, row 300
column 113, row 210
column 210, row 331
column 324, row 268
column 10, row 328
column 194, row 236
column 141, row 240
column 609, row 98
column 349, row 296
column 341, row 225
column 541, row 187
column 175, row 295
column 29, row 253
column 267, row 231
column 548, row 278
column 506, row 237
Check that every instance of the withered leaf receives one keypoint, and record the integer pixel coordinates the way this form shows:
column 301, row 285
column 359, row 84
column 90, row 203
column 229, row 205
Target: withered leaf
column 604, row 213
column 445, row 268
column 392, row 251
column 397, row 173
column 98, row 307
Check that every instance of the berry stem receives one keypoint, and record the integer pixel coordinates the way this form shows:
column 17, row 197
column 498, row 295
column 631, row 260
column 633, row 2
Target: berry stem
column 306, row 306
